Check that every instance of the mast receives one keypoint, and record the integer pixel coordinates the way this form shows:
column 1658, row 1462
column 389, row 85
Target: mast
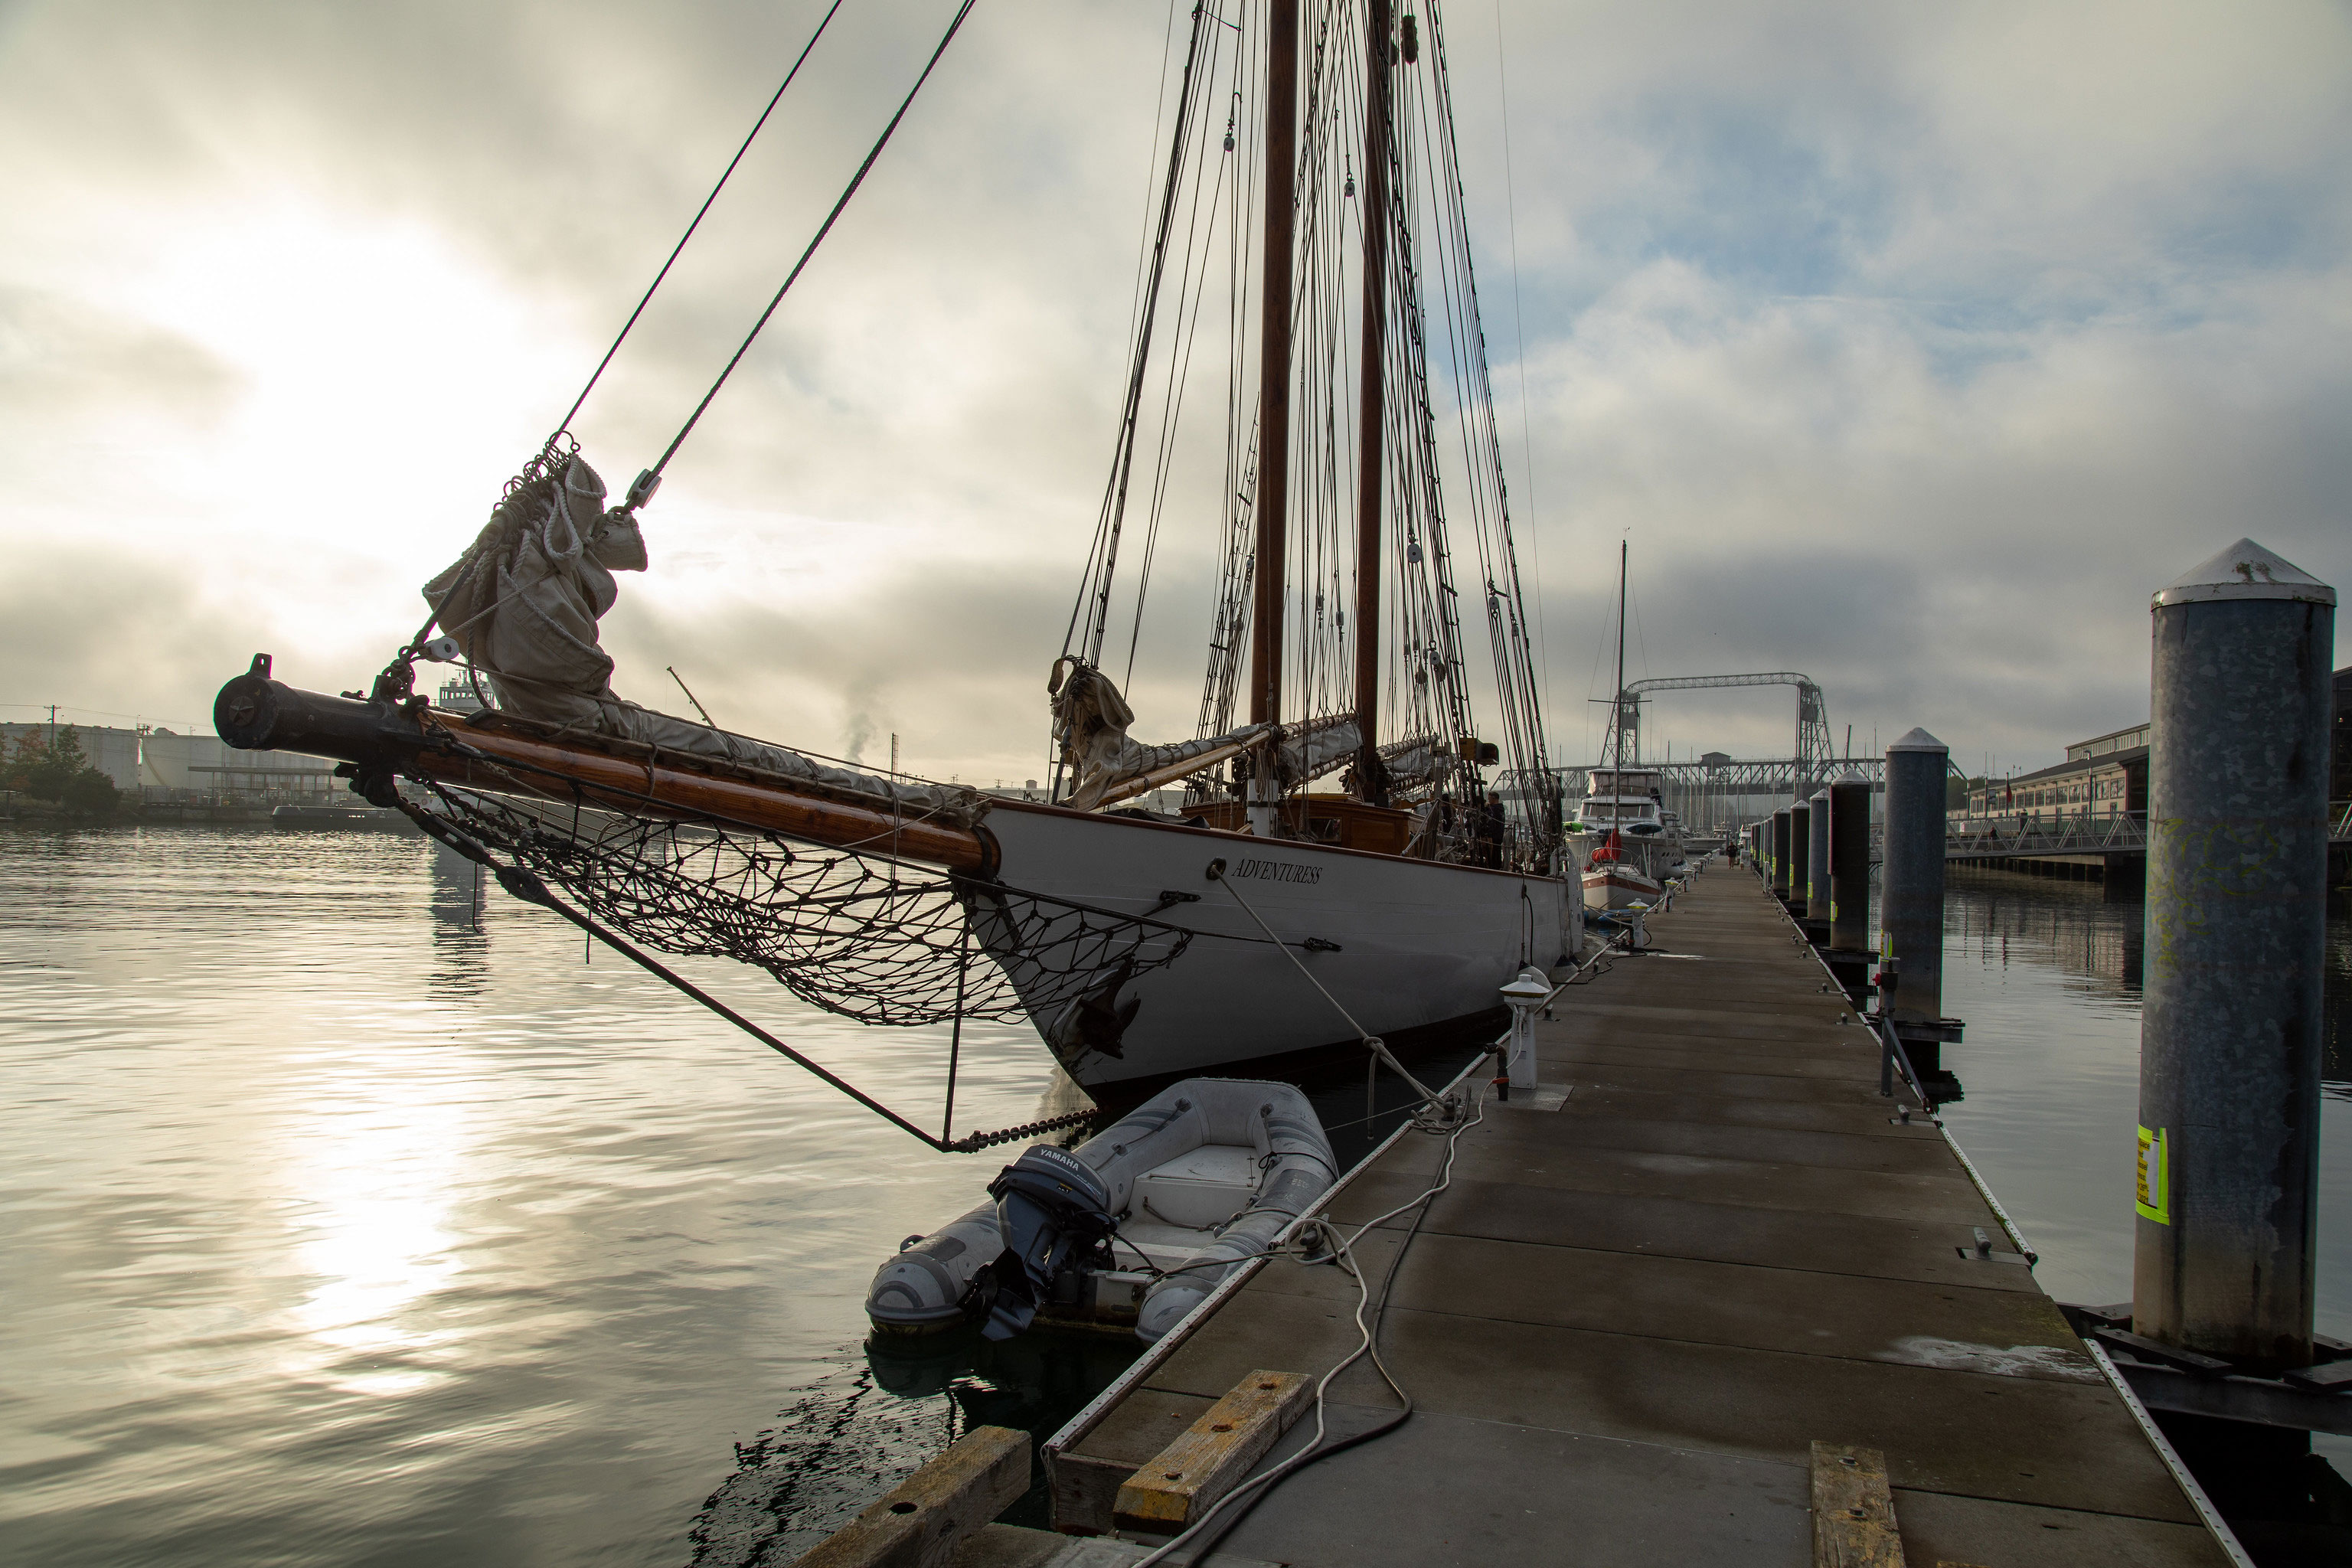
column 1371, row 425
column 1617, row 702
column 1273, row 488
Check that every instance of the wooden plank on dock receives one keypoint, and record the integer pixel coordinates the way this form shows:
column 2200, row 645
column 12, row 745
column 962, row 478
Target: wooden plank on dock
column 925, row 1520
column 1169, row 1491
column 1626, row 1321
column 1854, row 1511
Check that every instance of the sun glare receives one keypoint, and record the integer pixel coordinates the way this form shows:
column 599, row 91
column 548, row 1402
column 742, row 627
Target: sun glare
column 378, row 1180
column 384, row 384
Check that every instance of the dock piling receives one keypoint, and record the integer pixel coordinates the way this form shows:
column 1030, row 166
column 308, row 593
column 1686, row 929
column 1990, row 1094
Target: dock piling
column 2230, row 1033
column 1911, row 889
column 1819, row 905
column 1850, row 865
column 1781, row 829
column 1801, row 825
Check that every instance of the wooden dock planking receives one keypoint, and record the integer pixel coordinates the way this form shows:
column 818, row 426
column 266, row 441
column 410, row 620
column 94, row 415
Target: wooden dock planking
column 1628, row 1321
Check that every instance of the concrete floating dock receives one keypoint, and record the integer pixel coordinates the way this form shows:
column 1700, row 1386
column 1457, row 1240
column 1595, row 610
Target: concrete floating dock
column 1632, row 1326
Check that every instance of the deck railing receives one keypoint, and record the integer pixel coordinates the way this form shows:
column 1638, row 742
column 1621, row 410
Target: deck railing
column 1991, row 838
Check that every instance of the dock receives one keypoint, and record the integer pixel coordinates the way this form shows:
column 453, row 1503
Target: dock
column 1720, row 1302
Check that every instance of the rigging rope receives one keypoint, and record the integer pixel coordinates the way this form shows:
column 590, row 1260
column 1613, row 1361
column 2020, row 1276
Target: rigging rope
column 1373, row 1043
column 860, row 935
column 642, row 489
column 523, row 884
column 700, row 213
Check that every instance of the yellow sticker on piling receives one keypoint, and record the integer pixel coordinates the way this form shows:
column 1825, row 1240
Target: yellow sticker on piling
column 2153, row 1202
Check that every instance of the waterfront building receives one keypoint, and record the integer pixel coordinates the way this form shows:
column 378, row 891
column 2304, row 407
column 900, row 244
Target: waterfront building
column 2103, row 777
column 2107, row 776
column 153, row 763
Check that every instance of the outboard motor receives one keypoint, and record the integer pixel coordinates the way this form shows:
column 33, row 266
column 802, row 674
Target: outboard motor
column 1055, row 1214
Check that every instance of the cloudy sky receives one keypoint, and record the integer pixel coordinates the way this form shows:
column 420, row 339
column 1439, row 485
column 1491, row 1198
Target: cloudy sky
column 1910, row 347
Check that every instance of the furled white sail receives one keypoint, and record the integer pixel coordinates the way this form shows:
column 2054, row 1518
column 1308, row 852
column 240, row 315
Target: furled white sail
column 524, row 603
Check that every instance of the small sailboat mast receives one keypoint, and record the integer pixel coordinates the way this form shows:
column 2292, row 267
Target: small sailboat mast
column 1617, row 698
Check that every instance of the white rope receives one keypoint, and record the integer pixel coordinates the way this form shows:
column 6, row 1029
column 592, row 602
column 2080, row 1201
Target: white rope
column 1344, row 1250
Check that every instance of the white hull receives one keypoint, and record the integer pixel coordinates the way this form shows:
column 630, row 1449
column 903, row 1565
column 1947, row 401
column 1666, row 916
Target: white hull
column 1417, row 942
column 1613, row 886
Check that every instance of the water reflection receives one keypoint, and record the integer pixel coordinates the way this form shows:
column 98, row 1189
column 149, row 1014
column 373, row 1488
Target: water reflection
column 378, row 1163
column 331, row 1238
column 2078, row 929
column 460, row 944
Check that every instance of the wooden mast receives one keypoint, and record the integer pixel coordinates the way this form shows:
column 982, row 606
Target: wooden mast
column 1371, row 782
column 1273, row 488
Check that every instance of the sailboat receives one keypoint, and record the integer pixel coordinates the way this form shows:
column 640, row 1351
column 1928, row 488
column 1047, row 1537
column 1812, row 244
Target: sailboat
column 1627, row 867
column 1277, row 909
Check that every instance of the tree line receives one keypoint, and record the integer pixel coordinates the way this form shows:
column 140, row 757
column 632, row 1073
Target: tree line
column 58, row 770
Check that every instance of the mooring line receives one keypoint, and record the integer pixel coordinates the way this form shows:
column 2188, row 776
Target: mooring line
column 1377, row 1046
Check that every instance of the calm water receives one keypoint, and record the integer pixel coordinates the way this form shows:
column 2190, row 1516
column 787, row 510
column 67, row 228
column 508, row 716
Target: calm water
column 346, row 1221
column 2047, row 976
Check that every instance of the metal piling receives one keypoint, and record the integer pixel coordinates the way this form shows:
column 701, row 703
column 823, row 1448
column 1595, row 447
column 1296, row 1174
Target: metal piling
column 1819, row 902
column 1850, row 865
column 1911, row 882
column 1780, row 830
column 2231, row 1025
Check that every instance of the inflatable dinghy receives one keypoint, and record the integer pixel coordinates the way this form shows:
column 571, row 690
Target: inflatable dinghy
column 1130, row 1229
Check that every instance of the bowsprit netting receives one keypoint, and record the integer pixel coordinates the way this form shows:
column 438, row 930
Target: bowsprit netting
column 862, row 936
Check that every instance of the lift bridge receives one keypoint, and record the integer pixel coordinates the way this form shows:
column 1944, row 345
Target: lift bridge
column 1808, row 761
column 1715, row 790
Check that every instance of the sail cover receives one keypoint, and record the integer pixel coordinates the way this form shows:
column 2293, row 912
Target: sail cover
column 1090, row 721
column 1319, row 746
column 524, row 603
column 1418, row 763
